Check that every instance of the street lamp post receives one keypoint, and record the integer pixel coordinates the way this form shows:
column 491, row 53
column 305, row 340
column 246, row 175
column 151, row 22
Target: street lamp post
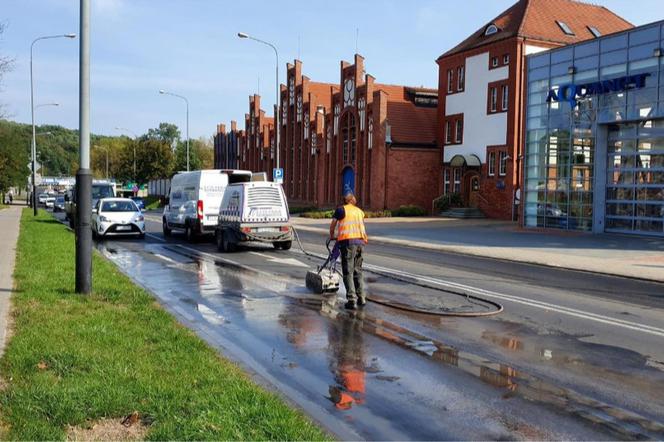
column 277, row 127
column 135, row 137
column 163, row 92
column 32, row 111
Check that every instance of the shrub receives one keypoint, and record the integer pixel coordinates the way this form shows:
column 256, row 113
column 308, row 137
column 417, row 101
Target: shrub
column 444, row 202
column 378, row 214
column 302, row 209
column 409, row 210
column 318, row 214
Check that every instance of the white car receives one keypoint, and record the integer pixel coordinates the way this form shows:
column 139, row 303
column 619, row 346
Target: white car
column 49, row 202
column 117, row 216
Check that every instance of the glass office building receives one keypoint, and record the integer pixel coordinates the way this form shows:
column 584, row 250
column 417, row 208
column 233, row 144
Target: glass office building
column 594, row 154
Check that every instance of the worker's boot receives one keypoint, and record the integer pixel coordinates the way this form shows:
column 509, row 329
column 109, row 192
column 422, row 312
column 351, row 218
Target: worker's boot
column 350, row 305
column 361, row 301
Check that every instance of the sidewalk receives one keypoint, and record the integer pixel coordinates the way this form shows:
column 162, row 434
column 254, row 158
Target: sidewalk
column 9, row 226
column 621, row 255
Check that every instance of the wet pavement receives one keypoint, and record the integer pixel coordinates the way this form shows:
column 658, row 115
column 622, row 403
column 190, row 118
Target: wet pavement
column 531, row 372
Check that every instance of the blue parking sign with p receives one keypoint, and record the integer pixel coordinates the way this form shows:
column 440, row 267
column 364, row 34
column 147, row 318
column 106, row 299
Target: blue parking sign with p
column 278, row 175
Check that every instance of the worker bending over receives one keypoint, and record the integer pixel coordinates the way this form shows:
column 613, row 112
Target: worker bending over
column 351, row 238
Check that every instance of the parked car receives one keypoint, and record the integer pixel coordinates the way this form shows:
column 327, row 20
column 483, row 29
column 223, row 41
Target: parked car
column 256, row 211
column 117, row 216
column 140, row 202
column 50, row 202
column 59, row 205
column 195, row 197
column 41, row 198
column 100, row 189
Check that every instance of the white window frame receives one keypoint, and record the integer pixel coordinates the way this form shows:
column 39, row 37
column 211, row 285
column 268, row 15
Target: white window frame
column 457, row 180
column 370, row 136
column 299, row 108
column 450, row 78
column 494, row 62
column 502, row 163
column 361, row 105
column 493, row 105
column 328, row 146
column 506, row 59
column 460, row 78
column 337, row 111
column 446, row 181
column 448, row 132
column 458, row 131
column 491, row 164
column 504, row 97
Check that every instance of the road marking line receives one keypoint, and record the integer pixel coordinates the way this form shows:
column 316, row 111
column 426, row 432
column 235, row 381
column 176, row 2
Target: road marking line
column 533, row 303
column 290, row 261
column 158, row 238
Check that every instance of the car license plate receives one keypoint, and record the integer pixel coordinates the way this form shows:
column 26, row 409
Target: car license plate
column 123, row 228
column 267, row 229
column 212, row 218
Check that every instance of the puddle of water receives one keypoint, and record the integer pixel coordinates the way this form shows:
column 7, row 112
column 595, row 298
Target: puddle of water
column 331, row 362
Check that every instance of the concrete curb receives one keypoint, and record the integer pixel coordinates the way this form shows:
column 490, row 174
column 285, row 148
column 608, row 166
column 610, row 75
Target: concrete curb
column 468, row 251
column 10, row 221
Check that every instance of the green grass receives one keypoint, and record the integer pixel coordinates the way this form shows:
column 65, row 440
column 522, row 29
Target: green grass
column 153, row 203
column 3, row 206
column 117, row 351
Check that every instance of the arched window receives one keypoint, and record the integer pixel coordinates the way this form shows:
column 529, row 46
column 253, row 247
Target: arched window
column 306, row 125
column 328, row 146
column 348, row 138
column 361, row 106
column 370, row 137
column 490, row 30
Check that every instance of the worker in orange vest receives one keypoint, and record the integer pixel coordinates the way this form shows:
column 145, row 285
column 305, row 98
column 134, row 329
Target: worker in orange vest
column 351, row 238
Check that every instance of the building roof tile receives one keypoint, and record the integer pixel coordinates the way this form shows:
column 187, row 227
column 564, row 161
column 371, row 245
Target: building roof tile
column 536, row 20
column 410, row 123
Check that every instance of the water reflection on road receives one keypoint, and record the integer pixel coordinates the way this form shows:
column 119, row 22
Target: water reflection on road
column 360, row 374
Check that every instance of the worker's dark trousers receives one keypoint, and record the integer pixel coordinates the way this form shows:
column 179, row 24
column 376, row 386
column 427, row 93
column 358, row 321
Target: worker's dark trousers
column 351, row 264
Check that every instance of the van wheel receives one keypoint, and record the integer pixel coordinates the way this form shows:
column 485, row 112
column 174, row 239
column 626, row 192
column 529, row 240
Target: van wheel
column 282, row 245
column 228, row 245
column 189, row 233
column 165, row 228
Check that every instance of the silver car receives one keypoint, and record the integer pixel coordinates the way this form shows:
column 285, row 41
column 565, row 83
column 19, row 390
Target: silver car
column 117, row 216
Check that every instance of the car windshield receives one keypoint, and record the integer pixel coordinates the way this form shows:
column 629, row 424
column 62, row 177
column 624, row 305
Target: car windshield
column 119, row 206
column 99, row 192
column 60, row 199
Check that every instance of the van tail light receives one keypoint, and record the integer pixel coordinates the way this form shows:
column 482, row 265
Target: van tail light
column 284, row 228
column 199, row 210
column 246, row 229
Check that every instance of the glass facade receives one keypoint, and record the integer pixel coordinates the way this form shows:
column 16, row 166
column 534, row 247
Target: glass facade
column 594, row 154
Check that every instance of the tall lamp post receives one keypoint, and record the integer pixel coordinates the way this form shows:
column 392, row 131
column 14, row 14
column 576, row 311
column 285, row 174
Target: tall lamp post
column 135, row 137
column 32, row 111
column 163, row 92
column 277, row 127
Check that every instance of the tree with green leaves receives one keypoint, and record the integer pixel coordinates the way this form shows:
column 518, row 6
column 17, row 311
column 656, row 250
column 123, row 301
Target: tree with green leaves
column 154, row 160
column 166, row 132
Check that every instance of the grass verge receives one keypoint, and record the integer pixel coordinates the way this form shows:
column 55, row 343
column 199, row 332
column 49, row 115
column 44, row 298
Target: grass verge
column 74, row 360
column 153, row 202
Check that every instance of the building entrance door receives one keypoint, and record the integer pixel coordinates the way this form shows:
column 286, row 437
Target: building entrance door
column 635, row 178
column 471, row 188
column 347, row 180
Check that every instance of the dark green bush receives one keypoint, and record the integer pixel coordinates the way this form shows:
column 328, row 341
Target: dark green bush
column 409, row 210
column 444, row 202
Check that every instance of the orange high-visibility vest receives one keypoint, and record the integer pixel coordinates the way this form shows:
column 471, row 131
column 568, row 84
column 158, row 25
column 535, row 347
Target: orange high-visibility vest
column 352, row 226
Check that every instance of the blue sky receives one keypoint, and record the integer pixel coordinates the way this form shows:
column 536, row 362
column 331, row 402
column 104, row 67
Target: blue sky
column 190, row 47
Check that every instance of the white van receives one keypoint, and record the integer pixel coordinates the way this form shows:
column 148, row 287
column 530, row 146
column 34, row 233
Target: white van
column 194, row 199
column 255, row 211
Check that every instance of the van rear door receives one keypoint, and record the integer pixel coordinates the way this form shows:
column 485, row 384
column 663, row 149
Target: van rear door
column 211, row 192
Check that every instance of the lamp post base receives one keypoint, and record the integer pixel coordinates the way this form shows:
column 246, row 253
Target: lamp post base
column 83, row 231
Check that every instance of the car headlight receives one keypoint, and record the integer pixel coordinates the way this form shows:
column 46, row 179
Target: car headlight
column 139, row 218
column 103, row 219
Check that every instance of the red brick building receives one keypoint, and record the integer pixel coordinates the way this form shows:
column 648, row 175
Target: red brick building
column 481, row 90
column 378, row 140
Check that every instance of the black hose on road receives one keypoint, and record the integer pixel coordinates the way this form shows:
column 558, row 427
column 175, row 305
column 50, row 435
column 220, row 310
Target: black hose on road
column 399, row 306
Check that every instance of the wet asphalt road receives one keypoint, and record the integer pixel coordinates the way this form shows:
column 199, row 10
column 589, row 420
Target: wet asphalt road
column 572, row 356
